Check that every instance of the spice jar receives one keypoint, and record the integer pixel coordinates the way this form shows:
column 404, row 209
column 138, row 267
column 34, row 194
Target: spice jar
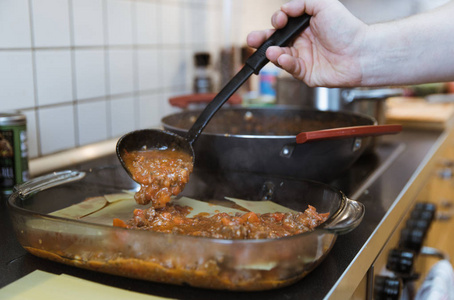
column 13, row 151
column 203, row 82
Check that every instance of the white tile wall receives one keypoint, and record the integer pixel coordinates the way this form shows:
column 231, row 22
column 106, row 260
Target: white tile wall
column 149, row 69
column 147, row 22
column 53, row 76
column 122, row 115
column 14, row 24
column 175, row 64
column 172, row 32
column 150, row 110
column 121, row 71
column 88, row 22
column 195, row 30
column 92, row 121
column 16, row 80
column 90, row 72
column 50, row 23
column 83, row 71
column 57, row 129
column 119, row 20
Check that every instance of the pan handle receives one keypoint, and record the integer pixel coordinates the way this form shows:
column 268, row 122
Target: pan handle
column 346, row 132
column 348, row 218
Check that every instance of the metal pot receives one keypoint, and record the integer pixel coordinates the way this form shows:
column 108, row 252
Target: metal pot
column 361, row 100
column 265, row 140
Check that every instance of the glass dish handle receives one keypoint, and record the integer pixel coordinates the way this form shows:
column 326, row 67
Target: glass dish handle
column 47, row 181
column 348, row 218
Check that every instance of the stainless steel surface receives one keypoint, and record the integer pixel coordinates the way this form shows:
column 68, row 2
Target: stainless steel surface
column 369, row 101
column 386, row 199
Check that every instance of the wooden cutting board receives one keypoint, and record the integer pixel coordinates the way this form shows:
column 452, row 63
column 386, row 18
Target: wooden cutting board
column 418, row 113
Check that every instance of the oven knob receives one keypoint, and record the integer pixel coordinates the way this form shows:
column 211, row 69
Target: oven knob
column 387, row 288
column 400, row 261
column 422, row 215
column 423, row 211
column 445, row 173
column 418, row 223
column 411, row 239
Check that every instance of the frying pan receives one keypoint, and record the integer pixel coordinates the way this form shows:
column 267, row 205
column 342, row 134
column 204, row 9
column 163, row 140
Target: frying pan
column 282, row 141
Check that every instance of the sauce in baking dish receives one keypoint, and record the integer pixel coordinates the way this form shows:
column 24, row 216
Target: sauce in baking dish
column 248, row 225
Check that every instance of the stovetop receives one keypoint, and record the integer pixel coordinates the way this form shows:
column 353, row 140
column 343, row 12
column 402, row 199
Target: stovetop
column 354, row 181
column 377, row 179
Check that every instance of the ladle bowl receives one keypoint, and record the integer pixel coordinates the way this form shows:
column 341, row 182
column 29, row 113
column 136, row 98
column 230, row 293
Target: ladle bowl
column 145, row 139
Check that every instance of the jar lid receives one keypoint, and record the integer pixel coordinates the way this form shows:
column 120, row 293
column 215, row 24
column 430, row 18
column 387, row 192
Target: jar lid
column 12, row 119
column 202, row 59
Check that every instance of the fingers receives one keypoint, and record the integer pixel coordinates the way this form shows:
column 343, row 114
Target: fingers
column 256, row 38
column 284, row 58
column 292, row 65
column 274, row 52
column 279, row 19
column 294, row 8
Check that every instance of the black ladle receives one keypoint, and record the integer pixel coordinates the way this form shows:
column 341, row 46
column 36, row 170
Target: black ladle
column 158, row 139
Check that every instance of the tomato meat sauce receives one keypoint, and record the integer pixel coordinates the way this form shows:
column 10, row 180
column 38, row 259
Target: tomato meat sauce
column 161, row 174
column 164, row 173
column 249, row 225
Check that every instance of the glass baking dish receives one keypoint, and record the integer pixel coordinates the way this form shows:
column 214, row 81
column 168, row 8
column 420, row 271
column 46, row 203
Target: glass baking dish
column 172, row 258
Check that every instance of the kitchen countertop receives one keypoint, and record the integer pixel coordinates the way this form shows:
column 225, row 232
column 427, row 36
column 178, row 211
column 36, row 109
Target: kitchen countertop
column 387, row 198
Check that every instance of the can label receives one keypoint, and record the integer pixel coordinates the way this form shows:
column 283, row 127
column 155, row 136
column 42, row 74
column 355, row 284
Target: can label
column 13, row 157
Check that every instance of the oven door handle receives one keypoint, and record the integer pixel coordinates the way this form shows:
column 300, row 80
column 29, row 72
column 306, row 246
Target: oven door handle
column 347, row 218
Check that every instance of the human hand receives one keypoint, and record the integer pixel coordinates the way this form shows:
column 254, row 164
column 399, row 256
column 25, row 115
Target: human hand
column 327, row 53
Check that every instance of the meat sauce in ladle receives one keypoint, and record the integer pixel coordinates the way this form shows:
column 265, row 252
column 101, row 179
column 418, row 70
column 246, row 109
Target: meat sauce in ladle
column 161, row 167
column 161, row 161
column 161, row 173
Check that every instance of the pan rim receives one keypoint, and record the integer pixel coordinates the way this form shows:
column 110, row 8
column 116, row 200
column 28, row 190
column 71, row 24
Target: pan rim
column 174, row 128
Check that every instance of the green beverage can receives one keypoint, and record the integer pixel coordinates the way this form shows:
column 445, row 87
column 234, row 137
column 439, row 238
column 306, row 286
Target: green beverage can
column 13, row 151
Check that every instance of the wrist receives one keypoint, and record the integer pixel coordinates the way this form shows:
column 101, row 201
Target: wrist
column 413, row 50
column 381, row 56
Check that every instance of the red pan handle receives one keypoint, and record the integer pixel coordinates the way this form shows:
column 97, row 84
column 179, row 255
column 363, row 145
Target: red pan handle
column 345, row 132
column 185, row 100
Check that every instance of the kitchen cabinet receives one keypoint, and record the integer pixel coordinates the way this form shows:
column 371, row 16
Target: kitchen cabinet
column 439, row 190
column 434, row 184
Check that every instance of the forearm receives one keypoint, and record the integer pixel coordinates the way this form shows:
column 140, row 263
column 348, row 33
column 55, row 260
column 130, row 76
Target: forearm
column 417, row 49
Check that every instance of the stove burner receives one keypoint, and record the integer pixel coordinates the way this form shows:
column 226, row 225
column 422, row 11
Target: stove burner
column 208, row 186
column 367, row 169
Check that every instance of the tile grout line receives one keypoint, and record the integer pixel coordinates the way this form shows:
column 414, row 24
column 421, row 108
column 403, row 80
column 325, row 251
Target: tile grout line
column 107, row 70
column 73, row 74
column 135, row 66
column 35, row 80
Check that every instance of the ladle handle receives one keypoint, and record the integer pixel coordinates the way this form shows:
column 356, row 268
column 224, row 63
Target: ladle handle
column 253, row 65
column 346, row 132
column 280, row 37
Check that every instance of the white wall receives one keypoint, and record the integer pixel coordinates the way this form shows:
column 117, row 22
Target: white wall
column 84, row 71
